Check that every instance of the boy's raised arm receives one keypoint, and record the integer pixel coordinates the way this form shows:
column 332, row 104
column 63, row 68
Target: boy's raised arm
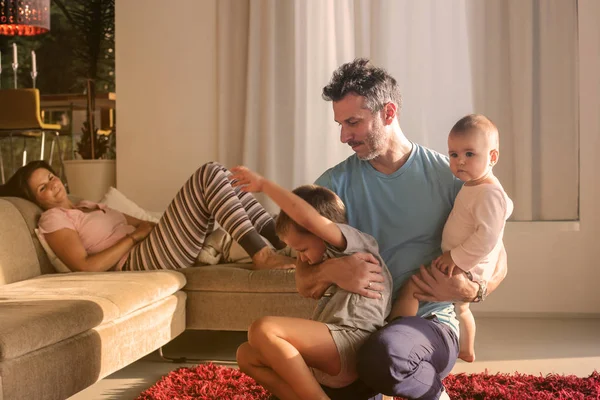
column 297, row 209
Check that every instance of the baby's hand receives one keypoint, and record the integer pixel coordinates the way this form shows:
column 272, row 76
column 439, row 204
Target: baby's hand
column 247, row 180
column 444, row 263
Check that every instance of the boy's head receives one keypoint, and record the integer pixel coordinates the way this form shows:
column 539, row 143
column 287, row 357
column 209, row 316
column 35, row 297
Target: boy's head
column 473, row 147
column 310, row 248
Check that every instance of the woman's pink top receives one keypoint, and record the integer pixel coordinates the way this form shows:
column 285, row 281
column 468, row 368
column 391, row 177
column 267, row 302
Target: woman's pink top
column 98, row 229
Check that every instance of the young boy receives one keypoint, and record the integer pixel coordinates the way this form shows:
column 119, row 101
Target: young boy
column 472, row 236
column 291, row 356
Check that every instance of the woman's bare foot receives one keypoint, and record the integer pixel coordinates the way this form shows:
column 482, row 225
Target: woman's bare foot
column 267, row 258
column 467, row 356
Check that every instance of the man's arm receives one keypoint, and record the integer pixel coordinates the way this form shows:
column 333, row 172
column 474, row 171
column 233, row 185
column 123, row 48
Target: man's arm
column 352, row 273
column 437, row 286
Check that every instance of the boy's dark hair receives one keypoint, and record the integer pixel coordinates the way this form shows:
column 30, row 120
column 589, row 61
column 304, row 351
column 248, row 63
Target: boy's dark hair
column 362, row 78
column 18, row 185
column 327, row 203
column 477, row 123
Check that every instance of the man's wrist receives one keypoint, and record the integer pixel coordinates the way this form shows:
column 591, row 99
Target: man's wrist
column 481, row 291
column 310, row 280
column 326, row 272
column 471, row 295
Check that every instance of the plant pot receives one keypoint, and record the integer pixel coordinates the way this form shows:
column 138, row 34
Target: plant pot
column 90, row 179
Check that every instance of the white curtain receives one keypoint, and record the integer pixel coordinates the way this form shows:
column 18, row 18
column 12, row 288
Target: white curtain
column 513, row 60
column 524, row 57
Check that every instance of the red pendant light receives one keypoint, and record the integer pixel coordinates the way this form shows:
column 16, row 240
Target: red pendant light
column 24, row 17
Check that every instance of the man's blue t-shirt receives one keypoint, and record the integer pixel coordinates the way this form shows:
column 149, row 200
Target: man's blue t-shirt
column 405, row 211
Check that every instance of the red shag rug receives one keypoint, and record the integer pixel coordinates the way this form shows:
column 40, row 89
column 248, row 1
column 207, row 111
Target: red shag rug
column 215, row 382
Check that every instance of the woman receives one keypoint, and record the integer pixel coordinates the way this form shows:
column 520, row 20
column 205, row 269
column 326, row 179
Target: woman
column 92, row 237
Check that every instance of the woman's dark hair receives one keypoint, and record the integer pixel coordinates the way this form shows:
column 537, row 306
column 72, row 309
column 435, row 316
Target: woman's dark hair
column 18, row 184
column 362, row 78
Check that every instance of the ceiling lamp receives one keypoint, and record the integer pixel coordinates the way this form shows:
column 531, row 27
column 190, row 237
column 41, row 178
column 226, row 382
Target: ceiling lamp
column 24, row 17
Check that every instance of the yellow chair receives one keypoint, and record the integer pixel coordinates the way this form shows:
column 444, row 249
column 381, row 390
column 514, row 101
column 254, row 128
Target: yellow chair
column 20, row 117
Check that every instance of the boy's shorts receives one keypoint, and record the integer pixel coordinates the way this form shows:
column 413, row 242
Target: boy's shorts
column 348, row 341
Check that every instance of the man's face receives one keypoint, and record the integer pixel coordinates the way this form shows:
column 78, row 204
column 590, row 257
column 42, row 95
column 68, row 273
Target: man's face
column 361, row 129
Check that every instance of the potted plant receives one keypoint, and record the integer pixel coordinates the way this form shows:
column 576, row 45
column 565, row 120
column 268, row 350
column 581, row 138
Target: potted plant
column 93, row 171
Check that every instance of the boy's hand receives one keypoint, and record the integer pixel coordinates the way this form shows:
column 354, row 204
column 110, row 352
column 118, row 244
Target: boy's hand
column 248, row 180
column 444, row 263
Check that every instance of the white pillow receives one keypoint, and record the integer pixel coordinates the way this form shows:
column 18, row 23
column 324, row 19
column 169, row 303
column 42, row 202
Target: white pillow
column 118, row 201
column 59, row 266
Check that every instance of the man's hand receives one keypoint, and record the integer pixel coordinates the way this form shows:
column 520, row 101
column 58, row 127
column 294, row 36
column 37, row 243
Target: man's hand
column 359, row 273
column 249, row 180
column 309, row 280
column 434, row 285
column 444, row 263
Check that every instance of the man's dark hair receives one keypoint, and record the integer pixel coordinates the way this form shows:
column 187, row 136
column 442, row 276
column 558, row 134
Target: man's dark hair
column 327, row 203
column 18, row 185
column 362, row 78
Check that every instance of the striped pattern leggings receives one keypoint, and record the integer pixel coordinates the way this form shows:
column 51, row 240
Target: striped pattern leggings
column 206, row 197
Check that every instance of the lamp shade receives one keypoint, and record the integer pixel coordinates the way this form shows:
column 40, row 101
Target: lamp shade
column 24, row 17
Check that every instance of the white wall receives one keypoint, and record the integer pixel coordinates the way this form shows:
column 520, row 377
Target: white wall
column 166, row 113
column 167, row 120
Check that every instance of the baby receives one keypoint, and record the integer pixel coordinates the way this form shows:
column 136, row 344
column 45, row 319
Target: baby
column 291, row 356
column 472, row 236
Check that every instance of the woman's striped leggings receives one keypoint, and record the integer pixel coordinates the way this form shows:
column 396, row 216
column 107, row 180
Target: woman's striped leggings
column 206, row 197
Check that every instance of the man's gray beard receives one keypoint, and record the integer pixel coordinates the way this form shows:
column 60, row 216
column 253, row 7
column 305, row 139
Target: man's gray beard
column 371, row 155
column 375, row 142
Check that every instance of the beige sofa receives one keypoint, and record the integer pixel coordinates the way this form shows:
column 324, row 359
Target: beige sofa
column 60, row 333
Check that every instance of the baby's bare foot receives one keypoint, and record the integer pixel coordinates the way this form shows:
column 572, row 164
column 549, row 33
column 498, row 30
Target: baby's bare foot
column 267, row 258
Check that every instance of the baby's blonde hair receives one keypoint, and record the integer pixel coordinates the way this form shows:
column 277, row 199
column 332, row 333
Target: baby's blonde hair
column 477, row 123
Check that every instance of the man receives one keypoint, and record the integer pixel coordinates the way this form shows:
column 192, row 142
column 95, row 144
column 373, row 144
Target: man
column 401, row 193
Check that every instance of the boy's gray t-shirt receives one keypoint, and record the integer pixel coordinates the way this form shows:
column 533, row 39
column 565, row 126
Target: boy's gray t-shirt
column 340, row 309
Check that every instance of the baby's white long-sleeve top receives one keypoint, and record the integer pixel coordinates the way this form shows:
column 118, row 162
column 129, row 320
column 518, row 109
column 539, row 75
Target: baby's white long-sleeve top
column 474, row 229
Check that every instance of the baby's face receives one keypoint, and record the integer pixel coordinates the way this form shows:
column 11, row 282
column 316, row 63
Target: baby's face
column 309, row 248
column 470, row 155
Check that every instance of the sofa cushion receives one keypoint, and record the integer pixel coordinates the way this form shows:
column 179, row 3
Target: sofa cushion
column 31, row 214
column 117, row 293
column 57, row 306
column 28, row 325
column 60, row 370
column 18, row 259
column 239, row 278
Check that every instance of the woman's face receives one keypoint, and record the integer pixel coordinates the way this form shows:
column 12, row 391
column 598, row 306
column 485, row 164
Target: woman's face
column 48, row 190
